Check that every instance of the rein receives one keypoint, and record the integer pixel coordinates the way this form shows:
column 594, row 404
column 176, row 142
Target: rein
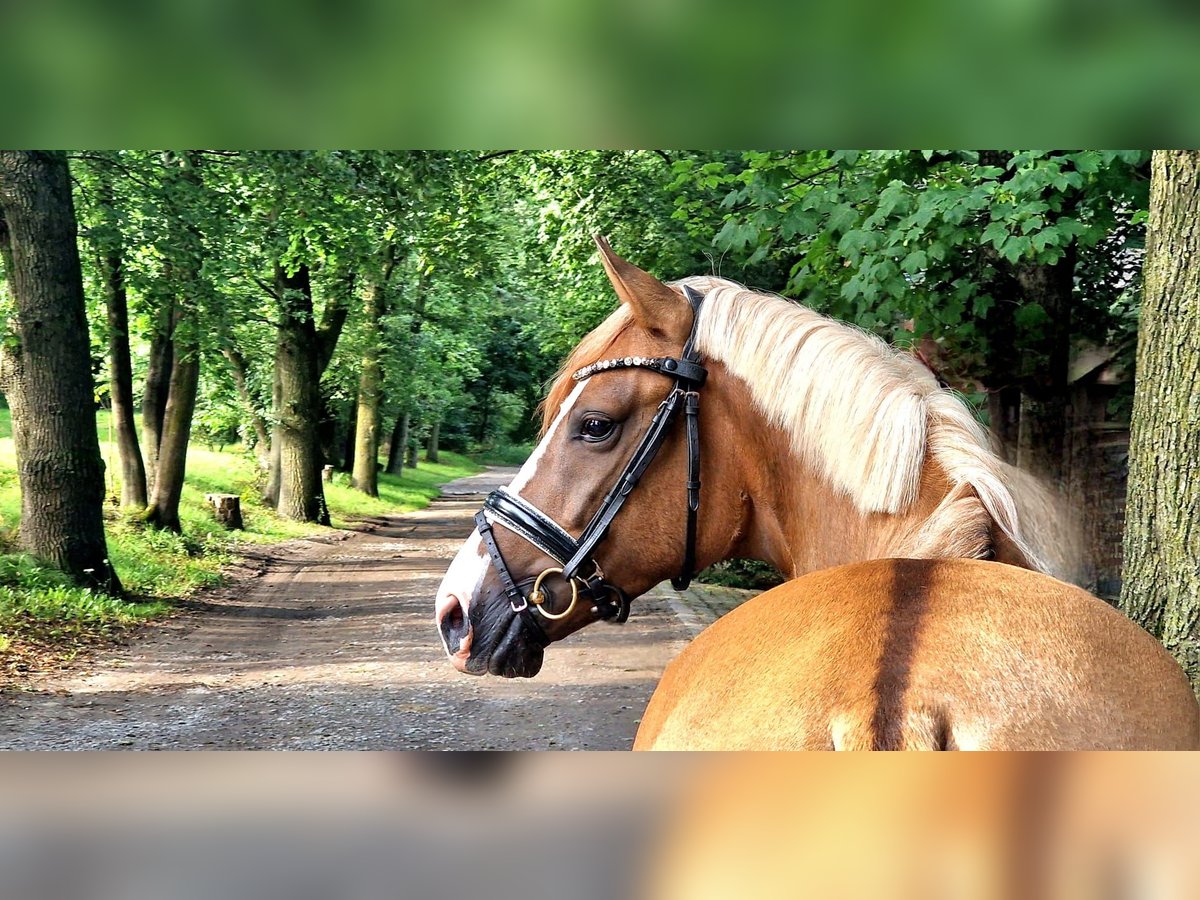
column 573, row 555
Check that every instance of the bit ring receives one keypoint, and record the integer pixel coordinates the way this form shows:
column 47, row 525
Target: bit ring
column 537, row 598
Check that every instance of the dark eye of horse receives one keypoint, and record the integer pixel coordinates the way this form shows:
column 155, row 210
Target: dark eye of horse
column 596, row 429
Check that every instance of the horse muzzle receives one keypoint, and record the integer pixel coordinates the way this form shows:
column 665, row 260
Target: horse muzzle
column 487, row 637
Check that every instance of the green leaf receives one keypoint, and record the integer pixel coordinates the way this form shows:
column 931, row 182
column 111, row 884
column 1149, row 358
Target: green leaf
column 1087, row 162
column 1048, row 237
column 852, row 243
column 914, row 262
column 1030, row 316
column 1014, row 248
column 843, row 216
column 997, row 232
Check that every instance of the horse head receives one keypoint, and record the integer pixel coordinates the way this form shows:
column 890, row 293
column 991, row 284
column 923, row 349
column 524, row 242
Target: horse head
column 505, row 597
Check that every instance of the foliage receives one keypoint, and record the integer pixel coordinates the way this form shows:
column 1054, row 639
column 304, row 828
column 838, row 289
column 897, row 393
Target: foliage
column 925, row 244
column 750, row 574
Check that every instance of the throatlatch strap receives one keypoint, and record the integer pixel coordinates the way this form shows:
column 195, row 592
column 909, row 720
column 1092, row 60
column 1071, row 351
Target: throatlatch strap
column 691, row 413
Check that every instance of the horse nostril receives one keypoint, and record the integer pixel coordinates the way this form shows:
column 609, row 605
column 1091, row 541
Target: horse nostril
column 454, row 628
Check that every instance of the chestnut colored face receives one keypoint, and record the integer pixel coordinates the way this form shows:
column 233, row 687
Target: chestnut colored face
column 596, row 425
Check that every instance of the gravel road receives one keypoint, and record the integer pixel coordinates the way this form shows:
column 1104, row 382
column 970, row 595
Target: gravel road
column 329, row 644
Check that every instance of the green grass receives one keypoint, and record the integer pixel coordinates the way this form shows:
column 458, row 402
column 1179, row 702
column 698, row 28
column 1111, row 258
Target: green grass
column 39, row 606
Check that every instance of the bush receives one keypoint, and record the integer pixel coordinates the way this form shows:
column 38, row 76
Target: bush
column 742, row 573
column 502, row 454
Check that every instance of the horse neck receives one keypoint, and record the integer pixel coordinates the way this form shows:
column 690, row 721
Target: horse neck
column 799, row 522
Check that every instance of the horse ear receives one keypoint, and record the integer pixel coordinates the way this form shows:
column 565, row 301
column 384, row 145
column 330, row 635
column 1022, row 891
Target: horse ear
column 655, row 306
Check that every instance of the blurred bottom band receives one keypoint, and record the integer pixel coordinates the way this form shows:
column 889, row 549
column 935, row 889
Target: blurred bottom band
column 599, row 826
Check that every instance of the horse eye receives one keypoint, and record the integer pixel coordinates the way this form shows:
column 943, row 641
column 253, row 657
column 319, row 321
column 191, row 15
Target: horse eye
column 595, row 428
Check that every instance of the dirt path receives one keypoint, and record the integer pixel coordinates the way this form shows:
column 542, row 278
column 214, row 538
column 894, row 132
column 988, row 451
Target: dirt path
column 331, row 646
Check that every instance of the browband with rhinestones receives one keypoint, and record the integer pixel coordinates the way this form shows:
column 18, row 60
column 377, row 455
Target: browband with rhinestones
column 620, row 363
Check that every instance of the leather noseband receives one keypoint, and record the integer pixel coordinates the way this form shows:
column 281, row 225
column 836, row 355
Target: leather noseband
column 575, row 555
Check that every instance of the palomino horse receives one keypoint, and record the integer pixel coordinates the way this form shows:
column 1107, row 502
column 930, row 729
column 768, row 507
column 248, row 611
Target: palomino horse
column 990, row 827
column 824, row 447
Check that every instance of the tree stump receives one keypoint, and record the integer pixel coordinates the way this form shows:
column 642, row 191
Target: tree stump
column 327, row 474
column 228, row 510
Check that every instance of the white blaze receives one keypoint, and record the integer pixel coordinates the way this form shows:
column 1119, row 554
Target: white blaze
column 465, row 576
column 530, row 468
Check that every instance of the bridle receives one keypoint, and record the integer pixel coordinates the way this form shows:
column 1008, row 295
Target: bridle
column 576, row 554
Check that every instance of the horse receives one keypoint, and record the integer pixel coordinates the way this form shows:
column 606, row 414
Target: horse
column 826, row 448
column 1028, row 825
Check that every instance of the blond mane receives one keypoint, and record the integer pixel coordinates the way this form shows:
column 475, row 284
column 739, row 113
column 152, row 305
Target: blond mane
column 864, row 414
column 860, row 411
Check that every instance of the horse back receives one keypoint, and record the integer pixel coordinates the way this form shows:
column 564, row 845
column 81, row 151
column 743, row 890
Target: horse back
column 907, row 654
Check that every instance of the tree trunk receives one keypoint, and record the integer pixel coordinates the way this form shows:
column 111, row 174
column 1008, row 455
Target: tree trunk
column 395, row 463
column 1041, row 446
column 366, row 438
column 1161, row 589
column 177, row 429
column 184, row 251
column 303, row 350
column 45, row 370
column 431, row 448
column 271, row 490
column 262, row 439
column 158, row 386
column 227, row 509
column 329, row 430
column 133, row 470
column 296, row 363
column 410, row 457
column 349, row 436
column 485, row 416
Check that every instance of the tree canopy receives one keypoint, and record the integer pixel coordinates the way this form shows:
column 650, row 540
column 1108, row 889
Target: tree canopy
column 317, row 306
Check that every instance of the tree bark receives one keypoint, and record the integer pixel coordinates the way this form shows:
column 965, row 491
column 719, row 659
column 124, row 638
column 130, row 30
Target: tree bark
column 410, row 456
column 158, row 386
column 262, row 438
column 349, row 437
column 271, row 490
column 133, row 470
column 296, row 365
column 1161, row 581
column 303, row 350
column 45, row 371
column 431, row 447
column 1041, row 446
column 395, row 463
column 163, row 511
column 366, row 438
column 185, row 253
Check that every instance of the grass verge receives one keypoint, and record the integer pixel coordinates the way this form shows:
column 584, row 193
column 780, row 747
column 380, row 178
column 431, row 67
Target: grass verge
column 45, row 619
